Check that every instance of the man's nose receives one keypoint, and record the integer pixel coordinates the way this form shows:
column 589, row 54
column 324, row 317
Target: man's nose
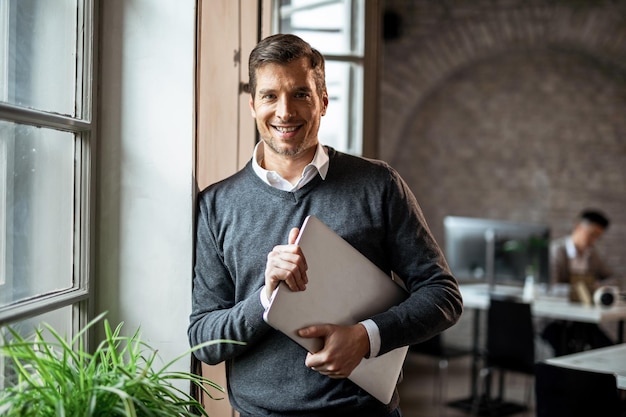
column 285, row 109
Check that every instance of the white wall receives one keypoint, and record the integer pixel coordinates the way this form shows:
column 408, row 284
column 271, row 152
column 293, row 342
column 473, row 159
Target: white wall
column 145, row 156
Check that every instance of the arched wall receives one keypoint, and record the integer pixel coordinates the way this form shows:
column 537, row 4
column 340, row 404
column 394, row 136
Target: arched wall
column 512, row 112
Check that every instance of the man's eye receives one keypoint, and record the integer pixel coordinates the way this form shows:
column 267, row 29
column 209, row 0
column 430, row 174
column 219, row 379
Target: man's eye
column 302, row 95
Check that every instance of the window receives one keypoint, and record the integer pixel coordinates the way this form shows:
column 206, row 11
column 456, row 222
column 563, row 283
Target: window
column 46, row 143
column 337, row 28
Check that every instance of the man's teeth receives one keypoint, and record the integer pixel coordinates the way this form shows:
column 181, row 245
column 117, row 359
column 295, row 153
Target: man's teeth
column 286, row 129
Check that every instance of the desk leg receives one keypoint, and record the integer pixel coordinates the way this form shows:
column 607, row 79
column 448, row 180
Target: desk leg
column 475, row 354
column 481, row 404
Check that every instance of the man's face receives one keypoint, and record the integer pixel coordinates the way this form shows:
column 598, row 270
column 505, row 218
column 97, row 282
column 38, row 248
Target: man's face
column 287, row 107
column 587, row 233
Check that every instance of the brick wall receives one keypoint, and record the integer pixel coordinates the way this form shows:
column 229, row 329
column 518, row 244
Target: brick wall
column 510, row 110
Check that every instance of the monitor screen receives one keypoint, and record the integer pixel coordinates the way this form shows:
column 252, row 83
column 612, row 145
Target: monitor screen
column 496, row 251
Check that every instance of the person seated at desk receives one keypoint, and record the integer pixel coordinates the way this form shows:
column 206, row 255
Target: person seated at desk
column 575, row 261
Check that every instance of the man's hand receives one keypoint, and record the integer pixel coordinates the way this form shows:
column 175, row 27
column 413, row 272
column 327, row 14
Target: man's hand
column 344, row 348
column 286, row 263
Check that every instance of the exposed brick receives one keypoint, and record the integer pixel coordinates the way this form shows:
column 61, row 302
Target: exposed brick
column 510, row 110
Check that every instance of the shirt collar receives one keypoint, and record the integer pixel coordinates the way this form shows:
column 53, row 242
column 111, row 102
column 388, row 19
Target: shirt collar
column 571, row 250
column 318, row 164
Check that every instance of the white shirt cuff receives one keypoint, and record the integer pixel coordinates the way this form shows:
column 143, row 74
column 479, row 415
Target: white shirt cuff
column 265, row 302
column 374, row 335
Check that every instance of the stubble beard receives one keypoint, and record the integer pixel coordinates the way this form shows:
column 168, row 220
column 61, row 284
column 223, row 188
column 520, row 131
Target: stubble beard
column 287, row 151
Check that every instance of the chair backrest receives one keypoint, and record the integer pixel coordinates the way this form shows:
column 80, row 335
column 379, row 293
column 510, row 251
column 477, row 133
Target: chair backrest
column 566, row 392
column 510, row 335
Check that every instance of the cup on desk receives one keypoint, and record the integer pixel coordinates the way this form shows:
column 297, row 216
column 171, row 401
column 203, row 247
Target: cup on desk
column 606, row 296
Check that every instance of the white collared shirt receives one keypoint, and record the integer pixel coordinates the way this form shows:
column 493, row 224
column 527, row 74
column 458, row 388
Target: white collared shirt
column 319, row 164
column 578, row 262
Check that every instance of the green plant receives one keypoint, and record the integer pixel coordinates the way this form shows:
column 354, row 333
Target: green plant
column 530, row 248
column 61, row 379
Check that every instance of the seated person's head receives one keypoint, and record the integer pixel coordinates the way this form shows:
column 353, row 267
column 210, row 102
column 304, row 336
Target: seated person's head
column 590, row 227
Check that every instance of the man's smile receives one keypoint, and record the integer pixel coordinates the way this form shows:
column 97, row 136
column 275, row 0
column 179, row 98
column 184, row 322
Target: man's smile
column 286, row 129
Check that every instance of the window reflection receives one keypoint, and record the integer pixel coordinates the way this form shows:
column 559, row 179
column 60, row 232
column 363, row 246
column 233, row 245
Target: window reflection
column 36, row 228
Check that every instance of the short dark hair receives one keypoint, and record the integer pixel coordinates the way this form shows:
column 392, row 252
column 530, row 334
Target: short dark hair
column 596, row 217
column 283, row 49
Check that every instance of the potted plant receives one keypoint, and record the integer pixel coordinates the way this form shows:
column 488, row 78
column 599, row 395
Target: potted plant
column 60, row 378
column 529, row 251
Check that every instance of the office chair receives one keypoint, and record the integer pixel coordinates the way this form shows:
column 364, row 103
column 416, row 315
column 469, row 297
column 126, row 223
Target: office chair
column 566, row 392
column 510, row 346
column 435, row 347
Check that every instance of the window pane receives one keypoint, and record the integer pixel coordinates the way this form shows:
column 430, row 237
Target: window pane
column 37, row 170
column 38, row 58
column 331, row 27
column 342, row 122
column 60, row 320
column 335, row 28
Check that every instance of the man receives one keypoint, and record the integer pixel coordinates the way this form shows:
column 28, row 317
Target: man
column 574, row 260
column 246, row 229
column 575, row 254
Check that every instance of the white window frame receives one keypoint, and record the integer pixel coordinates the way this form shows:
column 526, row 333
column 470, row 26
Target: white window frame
column 79, row 295
column 4, row 59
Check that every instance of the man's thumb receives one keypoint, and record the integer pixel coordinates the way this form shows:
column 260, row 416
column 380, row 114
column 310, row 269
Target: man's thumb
column 293, row 235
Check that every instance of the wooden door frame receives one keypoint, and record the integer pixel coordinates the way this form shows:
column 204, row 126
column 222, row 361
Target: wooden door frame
column 225, row 132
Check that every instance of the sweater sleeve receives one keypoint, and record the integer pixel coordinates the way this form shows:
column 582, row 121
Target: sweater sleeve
column 434, row 303
column 215, row 313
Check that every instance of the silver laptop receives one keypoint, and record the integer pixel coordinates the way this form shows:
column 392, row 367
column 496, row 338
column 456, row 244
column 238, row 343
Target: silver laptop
column 344, row 288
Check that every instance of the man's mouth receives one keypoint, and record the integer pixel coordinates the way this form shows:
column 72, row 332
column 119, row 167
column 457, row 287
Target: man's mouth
column 286, row 129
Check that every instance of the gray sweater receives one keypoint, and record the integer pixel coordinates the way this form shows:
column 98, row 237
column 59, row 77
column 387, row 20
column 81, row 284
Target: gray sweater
column 241, row 219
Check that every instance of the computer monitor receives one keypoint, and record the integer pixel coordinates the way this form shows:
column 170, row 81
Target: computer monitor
column 496, row 251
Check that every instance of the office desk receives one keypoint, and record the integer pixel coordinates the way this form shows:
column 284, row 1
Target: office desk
column 610, row 359
column 476, row 297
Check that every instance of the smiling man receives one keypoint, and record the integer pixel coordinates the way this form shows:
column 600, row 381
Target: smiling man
column 245, row 247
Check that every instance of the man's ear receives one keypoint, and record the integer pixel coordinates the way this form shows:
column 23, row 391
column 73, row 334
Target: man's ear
column 325, row 103
column 251, row 104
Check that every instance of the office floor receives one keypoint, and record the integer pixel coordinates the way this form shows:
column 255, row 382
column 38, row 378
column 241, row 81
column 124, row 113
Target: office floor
column 417, row 389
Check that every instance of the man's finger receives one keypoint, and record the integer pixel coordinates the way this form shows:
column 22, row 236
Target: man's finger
column 312, row 331
column 293, row 235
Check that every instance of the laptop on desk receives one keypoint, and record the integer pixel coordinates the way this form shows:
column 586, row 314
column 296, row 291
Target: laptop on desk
column 344, row 288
